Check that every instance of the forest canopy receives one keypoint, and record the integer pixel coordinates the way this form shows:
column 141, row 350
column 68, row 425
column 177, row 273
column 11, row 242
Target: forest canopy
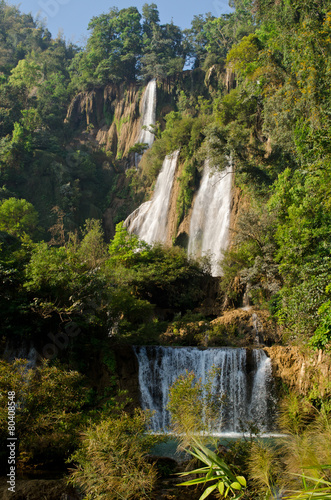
column 250, row 88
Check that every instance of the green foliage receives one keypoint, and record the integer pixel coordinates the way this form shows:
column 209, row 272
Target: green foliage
column 48, row 269
column 187, row 189
column 163, row 51
column 112, row 49
column 27, row 73
column 193, row 406
column 296, row 466
column 322, row 336
column 303, row 239
column 121, row 48
column 49, row 402
column 19, row 36
column 320, row 491
column 243, row 57
column 18, row 218
column 124, row 247
column 184, row 133
column 92, row 248
column 227, row 483
column 163, row 276
column 111, row 461
column 264, row 467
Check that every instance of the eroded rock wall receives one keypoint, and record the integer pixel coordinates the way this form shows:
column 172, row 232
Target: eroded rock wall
column 113, row 112
column 305, row 372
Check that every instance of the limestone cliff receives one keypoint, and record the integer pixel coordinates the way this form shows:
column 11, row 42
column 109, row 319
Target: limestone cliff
column 112, row 112
column 304, row 371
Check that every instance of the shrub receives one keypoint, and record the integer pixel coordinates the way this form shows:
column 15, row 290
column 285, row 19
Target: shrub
column 111, row 461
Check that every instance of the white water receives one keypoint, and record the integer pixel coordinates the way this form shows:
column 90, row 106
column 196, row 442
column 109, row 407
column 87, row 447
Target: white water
column 27, row 352
column 148, row 116
column 209, row 227
column 150, row 220
column 245, row 382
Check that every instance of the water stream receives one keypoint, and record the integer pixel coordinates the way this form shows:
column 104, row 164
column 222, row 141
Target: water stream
column 209, row 227
column 148, row 116
column 244, row 380
column 150, row 220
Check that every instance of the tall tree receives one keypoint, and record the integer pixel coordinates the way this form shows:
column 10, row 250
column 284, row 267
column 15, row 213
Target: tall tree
column 113, row 48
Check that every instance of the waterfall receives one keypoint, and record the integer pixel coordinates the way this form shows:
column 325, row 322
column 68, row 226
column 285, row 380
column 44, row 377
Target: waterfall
column 148, row 116
column 25, row 351
column 210, row 220
column 244, row 379
column 149, row 221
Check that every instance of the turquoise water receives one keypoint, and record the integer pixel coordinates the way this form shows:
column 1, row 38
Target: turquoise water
column 168, row 448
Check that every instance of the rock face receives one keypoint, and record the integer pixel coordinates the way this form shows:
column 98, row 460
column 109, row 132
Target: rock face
column 127, row 374
column 249, row 326
column 112, row 112
column 301, row 371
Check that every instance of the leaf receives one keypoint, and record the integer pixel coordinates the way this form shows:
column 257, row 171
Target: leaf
column 208, row 491
column 235, row 486
column 210, row 473
column 221, row 487
column 209, row 457
column 202, row 470
column 242, row 481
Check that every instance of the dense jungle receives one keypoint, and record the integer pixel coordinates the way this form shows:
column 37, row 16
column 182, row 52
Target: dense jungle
column 83, row 298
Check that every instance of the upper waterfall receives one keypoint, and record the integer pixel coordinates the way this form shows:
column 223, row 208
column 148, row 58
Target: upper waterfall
column 210, row 220
column 149, row 221
column 243, row 380
column 148, row 114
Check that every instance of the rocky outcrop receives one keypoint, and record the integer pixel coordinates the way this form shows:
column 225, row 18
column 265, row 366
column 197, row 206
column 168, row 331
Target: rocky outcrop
column 127, row 374
column 246, row 327
column 112, row 112
column 303, row 371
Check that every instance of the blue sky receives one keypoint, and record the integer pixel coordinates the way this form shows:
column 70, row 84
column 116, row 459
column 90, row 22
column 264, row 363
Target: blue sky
column 72, row 16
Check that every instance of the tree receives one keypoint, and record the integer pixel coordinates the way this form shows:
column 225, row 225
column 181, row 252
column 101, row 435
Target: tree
column 18, row 218
column 151, row 20
column 163, row 51
column 92, row 248
column 113, row 48
column 19, row 35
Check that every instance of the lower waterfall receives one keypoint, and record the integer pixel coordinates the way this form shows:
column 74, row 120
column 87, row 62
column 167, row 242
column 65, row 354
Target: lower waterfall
column 150, row 220
column 244, row 379
column 210, row 220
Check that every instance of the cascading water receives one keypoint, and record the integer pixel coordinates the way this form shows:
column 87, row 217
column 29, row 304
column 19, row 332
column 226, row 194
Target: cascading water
column 149, row 221
column 243, row 378
column 25, row 351
column 148, row 117
column 210, row 219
